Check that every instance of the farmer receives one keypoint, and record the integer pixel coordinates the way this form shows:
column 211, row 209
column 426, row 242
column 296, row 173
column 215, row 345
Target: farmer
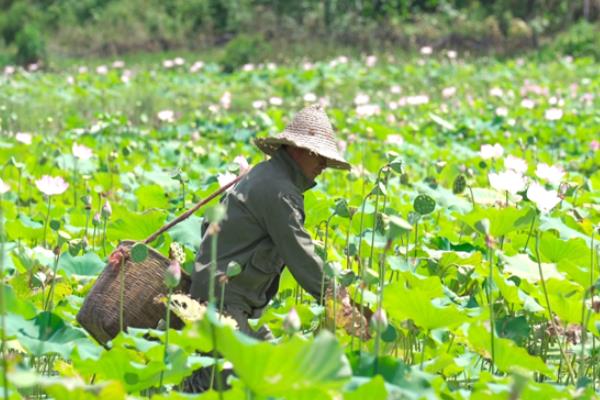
column 263, row 229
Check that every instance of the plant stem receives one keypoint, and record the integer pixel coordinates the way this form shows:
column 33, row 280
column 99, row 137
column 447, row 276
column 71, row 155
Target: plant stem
column 87, row 221
column 165, row 353
column 2, row 307
column 416, row 237
column 472, row 197
column 46, row 222
column 360, row 231
column 50, row 299
column 222, row 299
column 75, row 182
column 104, row 237
column 530, row 231
column 213, row 269
column 550, row 314
column 491, row 302
column 583, row 319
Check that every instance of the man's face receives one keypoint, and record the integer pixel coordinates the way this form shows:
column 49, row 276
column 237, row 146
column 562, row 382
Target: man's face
column 310, row 163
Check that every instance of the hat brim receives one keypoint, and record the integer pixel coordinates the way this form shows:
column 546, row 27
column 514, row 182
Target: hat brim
column 271, row 144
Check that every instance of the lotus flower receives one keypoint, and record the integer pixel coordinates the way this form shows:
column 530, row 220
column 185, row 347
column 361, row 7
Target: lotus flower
column 552, row 174
column 515, row 164
column 166, row 115
column 3, row 187
column 488, row 151
column 545, row 200
column 173, row 274
column 553, row 114
column 291, row 322
column 51, row 186
column 81, row 152
column 509, row 181
column 23, row 137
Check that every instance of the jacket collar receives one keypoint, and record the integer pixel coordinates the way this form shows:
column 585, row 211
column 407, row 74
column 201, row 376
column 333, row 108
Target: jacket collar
column 285, row 162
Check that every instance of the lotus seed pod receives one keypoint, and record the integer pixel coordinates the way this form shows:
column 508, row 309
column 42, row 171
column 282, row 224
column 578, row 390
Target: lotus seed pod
column 459, row 185
column 424, row 204
column 176, row 252
column 404, row 179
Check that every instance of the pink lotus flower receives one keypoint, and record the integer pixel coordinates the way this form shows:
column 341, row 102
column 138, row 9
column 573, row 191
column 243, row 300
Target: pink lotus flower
column 3, row 187
column 172, row 274
column 292, row 322
column 81, row 152
column 51, row 186
column 242, row 163
column 594, row 145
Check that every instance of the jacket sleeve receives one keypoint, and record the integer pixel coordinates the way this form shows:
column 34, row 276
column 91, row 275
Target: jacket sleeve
column 284, row 221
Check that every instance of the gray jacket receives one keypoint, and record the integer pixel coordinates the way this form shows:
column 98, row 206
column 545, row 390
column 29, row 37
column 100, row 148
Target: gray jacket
column 263, row 231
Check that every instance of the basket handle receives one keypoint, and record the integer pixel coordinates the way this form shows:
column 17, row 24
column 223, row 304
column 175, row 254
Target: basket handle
column 192, row 210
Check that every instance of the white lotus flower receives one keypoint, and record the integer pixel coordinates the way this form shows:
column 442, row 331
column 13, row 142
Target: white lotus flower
column 166, row 115
column 545, row 200
column 451, row 54
column 527, row 103
column 276, row 101
column 415, row 100
column 449, row 91
column 248, row 67
column 509, row 181
column 102, row 70
column 367, row 110
column 197, row 66
column 179, row 61
column 550, row 173
column 50, row 185
column 395, row 139
column 118, row 64
column 82, row 152
column 225, row 178
column 502, row 111
column 168, row 64
column 396, row 89
column 515, row 164
column 310, row 97
column 225, row 100
column 488, row 151
column 361, row 99
column 258, row 104
column 426, row 50
column 3, row 187
column 553, row 114
column 496, row 92
column 371, row 61
column 23, row 137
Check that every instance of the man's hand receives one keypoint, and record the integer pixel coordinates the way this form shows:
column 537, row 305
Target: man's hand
column 347, row 314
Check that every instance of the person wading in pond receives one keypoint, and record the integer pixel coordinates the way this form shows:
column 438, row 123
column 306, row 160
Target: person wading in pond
column 263, row 229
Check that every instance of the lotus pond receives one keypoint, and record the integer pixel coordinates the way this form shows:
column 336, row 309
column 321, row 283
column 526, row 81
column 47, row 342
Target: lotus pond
column 469, row 223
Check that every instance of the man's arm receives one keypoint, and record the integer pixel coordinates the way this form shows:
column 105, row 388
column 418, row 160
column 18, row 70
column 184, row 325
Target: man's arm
column 284, row 221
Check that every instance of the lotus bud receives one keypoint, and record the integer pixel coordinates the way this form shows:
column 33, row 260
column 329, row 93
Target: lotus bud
column 96, row 219
column 87, row 201
column 106, row 210
column 291, row 322
column 379, row 321
column 173, row 274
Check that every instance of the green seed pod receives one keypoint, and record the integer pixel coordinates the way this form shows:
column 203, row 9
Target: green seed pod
column 459, row 185
column 404, row 179
column 424, row 204
column 176, row 252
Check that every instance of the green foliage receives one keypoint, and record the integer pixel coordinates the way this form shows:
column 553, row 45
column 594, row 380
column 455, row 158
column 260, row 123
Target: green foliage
column 580, row 40
column 242, row 50
column 30, row 44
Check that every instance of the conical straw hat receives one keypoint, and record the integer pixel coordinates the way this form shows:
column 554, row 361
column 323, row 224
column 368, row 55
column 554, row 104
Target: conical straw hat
column 310, row 129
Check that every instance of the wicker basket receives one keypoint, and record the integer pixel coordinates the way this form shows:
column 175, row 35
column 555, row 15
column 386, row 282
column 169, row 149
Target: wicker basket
column 99, row 314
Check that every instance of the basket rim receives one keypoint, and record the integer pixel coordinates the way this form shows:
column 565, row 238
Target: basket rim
column 129, row 243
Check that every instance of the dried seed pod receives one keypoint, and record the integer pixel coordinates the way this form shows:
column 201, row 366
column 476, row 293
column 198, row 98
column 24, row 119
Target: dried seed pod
column 459, row 185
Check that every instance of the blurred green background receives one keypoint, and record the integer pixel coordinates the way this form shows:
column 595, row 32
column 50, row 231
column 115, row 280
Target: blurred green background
column 49, row 32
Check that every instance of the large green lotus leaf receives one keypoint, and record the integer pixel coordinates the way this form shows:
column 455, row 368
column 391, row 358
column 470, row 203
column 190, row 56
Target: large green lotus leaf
column 68, row 388
column 507, row 355
column 553, row 249
column 565, row 299
column 502, row 220
column 47, row 333
column 17, row 305
column 152, row 196
column 373, row 389
column 188, row 232
column 525, row 268
column 137, row 363
column 286, row 369
column 24, row 229
column 88, row 264
column 565, row 231
column 402, row 303
column 136, row 226
column 392, row 370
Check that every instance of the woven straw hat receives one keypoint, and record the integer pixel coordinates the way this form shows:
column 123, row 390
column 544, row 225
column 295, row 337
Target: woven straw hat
column 310, row 129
